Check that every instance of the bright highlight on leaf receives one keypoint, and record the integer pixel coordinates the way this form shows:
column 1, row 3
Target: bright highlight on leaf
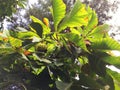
column 59, row 10
column 78, row 16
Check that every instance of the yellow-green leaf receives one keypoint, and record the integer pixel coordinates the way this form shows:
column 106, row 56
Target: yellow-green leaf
column 77, row 17
column 59, row 10
column 105, row 44
column 15, row 42
column 46, row 29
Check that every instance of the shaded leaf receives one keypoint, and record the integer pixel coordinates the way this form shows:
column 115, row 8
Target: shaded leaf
column 96, row 63
column 7, row 60
column 28, row 46
column 37, row 27
column 46, row 30
column 107, row 82
column 6, row 50
column 62, row 85
column 86, row 83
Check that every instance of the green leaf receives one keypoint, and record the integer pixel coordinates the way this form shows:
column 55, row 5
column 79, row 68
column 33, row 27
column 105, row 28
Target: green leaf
column 6, row 50
column 107, row 82
column 92, row 23
column 77, row 17
column 100, row 31
column 105, row 44
column 13, row 33
column 115, row 75
column 37, row 71
column 117, row 87
column 59, row 10
column 96, row 63
column 22, row 3
column 15, row 42
column 76, row 39
column 112, row 60
column 76, row 31
column 51, row 48
column 28, row 46
column 42, row 59
column 116, row 78
column 45, row 29
column 37, row 27
column 26, row 35
column 62, row 85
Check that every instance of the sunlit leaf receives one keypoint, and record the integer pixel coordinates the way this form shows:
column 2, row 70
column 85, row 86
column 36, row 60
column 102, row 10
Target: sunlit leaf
column 51, row 48
column 117, row 87
column 37, row 71
column 116, row 77
column 26, row 35
column 92, row 23
column 112, row 60
column 76, row 31
column 15, row 42
column 46, row 30
column 59, row 10
column 78, row 16
column 105, row 44
column 100, row 31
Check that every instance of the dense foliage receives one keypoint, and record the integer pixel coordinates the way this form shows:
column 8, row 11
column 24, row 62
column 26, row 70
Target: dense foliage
column 73, row 55
column 41, row 10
